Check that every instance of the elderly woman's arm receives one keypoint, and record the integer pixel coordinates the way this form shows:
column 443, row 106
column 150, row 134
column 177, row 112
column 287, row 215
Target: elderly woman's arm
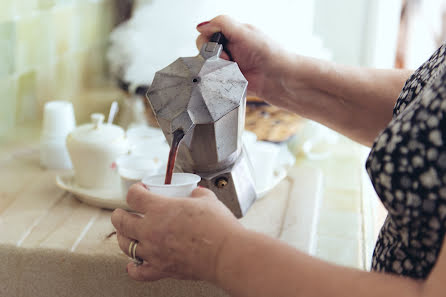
column 357, row 102
column 254, row 265
column 198, row 238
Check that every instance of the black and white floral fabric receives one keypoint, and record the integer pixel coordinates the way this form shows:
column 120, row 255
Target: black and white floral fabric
column 407, row 166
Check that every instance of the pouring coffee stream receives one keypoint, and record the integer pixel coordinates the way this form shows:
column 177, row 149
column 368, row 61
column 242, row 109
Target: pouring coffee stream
column 177, row 137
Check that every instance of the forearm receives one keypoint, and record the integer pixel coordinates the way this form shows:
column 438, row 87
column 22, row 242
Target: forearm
column 252, row 264
column 356, row 102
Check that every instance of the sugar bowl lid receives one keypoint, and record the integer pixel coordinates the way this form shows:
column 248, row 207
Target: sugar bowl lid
column 98, row 132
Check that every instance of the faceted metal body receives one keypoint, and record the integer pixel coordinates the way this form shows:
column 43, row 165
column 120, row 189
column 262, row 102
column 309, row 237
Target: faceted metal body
column 205, row 96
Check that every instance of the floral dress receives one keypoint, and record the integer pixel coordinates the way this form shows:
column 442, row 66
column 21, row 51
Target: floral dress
column 407, row 166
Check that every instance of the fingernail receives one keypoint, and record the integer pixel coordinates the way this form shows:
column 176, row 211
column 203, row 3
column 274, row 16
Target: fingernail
column 145, row 186
column 202, row 24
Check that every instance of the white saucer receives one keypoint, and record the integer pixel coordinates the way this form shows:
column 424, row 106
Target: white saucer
column 111, row 199
column 278, row 175
column 284, row 162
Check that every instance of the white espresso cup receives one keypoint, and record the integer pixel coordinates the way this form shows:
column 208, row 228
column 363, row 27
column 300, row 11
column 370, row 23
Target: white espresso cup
column 58, row 119
column 264, row 160
column 182, row 184
column 58, row 122
column 132, row 170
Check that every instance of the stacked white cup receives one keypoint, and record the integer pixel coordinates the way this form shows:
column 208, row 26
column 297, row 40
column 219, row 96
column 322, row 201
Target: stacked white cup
column 264, row 157
column 58, row 122
column 150, row 143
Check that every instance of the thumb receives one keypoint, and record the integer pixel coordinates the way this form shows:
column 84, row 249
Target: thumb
column 202, row 192
column 140, row 199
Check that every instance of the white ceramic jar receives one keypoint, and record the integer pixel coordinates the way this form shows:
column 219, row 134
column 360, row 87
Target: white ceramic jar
column 58, row 122
column 93, row 149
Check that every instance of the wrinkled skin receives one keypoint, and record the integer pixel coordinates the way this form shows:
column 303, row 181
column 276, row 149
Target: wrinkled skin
column 178, row 237
column 255, row 53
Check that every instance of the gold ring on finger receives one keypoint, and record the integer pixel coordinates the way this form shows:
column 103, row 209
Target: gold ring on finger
column 132, row 252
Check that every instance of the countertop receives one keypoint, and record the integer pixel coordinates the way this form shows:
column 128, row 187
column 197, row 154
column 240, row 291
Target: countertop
column 71, row 236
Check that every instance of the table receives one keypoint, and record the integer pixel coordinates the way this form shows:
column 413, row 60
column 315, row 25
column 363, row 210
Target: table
column 53, row 245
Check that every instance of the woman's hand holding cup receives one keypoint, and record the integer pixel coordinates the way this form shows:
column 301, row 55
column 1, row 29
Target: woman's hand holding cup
column 177, row 237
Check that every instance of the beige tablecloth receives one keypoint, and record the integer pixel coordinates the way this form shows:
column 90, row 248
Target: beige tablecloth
column 53, row 245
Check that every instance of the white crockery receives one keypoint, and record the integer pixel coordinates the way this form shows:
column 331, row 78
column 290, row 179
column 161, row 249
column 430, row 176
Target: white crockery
column 103, row 198
column 148, row 142
column 182, row 184
column 132, row 169
column 58, row 119
column 155, row 149
column 54, row 154
column 249, row 138
column 93, row 150
column 264, row 156
column 58, row 122
column 142, row 132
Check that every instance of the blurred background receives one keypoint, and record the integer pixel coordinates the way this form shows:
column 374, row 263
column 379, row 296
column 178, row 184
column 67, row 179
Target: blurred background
column 57, row 49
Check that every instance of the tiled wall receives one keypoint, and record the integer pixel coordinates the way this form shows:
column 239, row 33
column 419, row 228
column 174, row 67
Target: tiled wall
column 50, row 50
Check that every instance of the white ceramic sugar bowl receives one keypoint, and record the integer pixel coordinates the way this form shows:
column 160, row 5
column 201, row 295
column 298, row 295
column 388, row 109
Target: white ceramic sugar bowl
column 93, row 149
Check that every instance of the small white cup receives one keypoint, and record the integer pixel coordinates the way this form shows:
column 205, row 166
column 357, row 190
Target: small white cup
column 58, row 122
column 138, row 133
column 182, row 184
column 132, row 169
column 155, row 149
column 249, row 138
column 58, row 119
column 264, row 161
column 54, row 154
column 148, row 142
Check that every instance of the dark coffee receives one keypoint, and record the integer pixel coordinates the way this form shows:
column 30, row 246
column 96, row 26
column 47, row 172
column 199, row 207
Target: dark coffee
column 177, row 137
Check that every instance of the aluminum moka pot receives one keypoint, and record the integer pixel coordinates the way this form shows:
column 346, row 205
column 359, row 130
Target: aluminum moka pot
column 205, row 97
